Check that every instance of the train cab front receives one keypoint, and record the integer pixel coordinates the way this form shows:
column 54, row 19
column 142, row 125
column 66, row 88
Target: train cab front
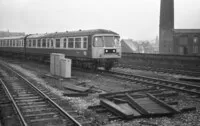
column 106, row 49
column 106, row 46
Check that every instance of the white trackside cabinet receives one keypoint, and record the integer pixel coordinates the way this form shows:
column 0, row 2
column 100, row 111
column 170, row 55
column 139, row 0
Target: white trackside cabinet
column 52, row 63
column 55, row 63
column 65, row 68
column 57, row 59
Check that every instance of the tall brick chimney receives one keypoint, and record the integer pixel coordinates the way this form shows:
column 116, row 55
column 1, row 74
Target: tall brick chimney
column 166, row 26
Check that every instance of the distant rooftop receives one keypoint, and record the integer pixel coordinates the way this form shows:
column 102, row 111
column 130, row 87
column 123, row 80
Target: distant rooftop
column 187, row 31
column 8, row 34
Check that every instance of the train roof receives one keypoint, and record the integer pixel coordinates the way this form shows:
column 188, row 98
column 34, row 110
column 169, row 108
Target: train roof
column 12, row 37
column 72, row 33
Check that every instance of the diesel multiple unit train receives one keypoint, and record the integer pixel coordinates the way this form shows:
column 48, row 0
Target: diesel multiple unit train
column 86, row 48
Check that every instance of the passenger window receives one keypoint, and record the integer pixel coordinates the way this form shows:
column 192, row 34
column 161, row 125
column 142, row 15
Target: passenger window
column 71, row 43
column 29, row 43
column 85, row 41
column 44, row 43
column 52, row 43
column 6, row 43
column 48, row 43
column 77, row 42
column 9, row 43
column 34, row 43
column 65, row 43
column 22, row 43
column 39, row 43
column 15, row 43
column 57, row 43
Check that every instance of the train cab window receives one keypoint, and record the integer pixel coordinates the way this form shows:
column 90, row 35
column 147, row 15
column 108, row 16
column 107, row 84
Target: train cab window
column 117, row 41
column 34, row 43
column 57, row 43
column 71, row 43
column 98, row 41
column 39, row 43
column 109, row 41
column 85, row 41
column 44, row 43
column 77, row 42
column 65, row 43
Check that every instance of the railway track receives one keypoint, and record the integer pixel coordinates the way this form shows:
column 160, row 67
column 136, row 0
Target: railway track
column 35, row 106
column 186, row 72
column 150, row 81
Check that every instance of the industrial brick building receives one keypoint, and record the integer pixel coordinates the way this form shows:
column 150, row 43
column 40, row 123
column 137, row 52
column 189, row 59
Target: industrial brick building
column 176, row 41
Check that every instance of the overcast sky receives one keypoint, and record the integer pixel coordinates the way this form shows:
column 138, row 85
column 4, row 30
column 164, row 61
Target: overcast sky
column 136, row 19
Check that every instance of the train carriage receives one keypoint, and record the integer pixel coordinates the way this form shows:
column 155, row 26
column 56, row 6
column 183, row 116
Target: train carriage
column 86, row 48
column 12, row 45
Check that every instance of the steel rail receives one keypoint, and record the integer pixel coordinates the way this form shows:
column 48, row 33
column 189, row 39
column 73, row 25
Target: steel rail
column 145, row 81
column 164, row 70
column 44, row 95
column 14, row 103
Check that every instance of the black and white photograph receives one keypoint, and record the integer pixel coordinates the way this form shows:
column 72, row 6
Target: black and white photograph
column 99, row 63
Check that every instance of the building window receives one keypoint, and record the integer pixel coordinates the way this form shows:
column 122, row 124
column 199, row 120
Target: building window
column 57, row 43
column 77, row 42
column 195, row 49
column 183, row 40
column 195, row 40
column 65, row 43
column 71, row 43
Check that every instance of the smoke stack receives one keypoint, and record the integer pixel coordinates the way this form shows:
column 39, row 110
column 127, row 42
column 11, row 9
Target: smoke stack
column 166, row 26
